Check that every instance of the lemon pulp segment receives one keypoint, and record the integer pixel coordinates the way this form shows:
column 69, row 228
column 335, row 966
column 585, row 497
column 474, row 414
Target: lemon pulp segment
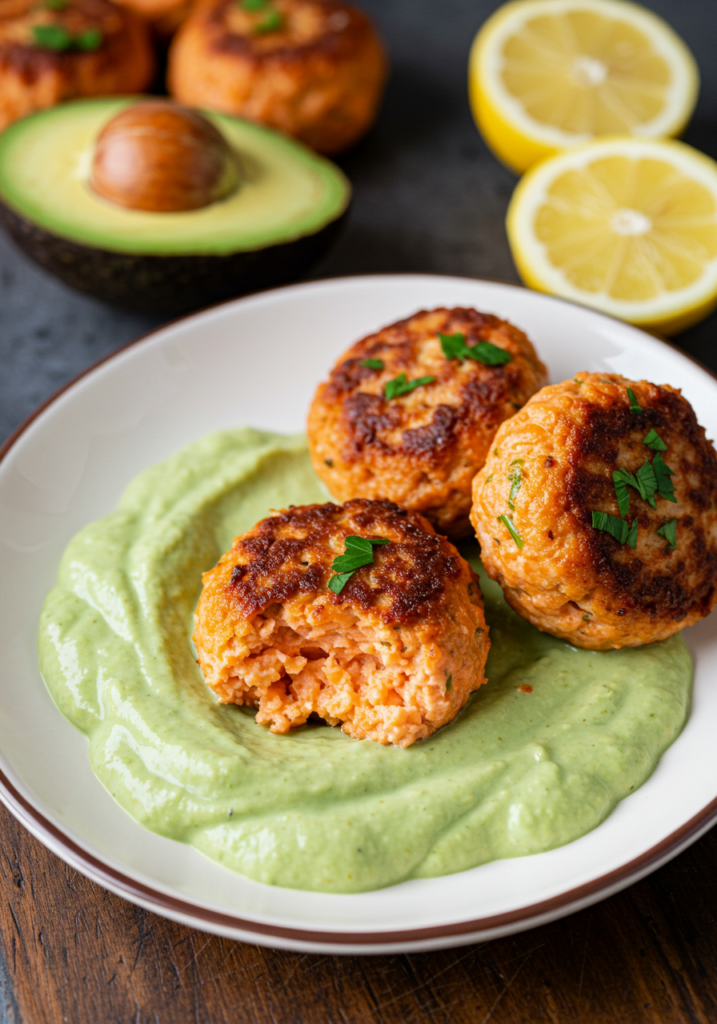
column 626, row 225
column 549, row 74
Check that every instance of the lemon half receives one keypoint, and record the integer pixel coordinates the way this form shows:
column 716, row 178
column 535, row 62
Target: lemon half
column 546, row 75
column 626, row 225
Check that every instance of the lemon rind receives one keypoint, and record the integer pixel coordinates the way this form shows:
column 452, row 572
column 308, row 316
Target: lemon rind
column 516, row 138
column 672, row 312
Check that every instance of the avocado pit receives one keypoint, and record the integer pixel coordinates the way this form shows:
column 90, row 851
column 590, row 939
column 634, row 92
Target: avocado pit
column 175, row 211
column 162, row 157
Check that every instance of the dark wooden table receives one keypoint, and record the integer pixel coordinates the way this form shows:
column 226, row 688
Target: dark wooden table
column 429, row 197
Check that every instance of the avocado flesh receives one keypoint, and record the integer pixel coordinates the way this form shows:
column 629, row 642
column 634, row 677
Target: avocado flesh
column 281, row 218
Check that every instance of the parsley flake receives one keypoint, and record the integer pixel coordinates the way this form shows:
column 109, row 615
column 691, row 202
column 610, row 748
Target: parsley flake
column 647, row 483
column 52, row 37
column 632, row 535
column 253, row 5
column 508, row 524
column 372, row 364
column 56, row 5
column 454, row 347
column 665, row 487
column 634, row 407
column 449, row 682
column 654, row 441
column 617, row 528
column 58, row 39
column 88, row 41
column 669, row 532
column 400, row 386
column 620, row 480
column 358, row 551
column 644, row 482
column 273, row 22
column 516, row 479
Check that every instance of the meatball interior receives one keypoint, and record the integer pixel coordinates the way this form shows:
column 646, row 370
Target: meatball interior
column 423, row 448
column 312, row 68
column 392, row 657
column 33, row 76
column 553, row 466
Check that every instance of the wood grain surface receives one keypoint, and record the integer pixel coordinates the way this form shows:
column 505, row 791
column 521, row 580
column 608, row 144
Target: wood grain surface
column 73, row 952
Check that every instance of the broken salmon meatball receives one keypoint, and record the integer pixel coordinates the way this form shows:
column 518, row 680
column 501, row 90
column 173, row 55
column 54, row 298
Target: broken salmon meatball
column 391, row 652
column 596, row 512
column 314, row 69
column 409, row 413
column 63, row 49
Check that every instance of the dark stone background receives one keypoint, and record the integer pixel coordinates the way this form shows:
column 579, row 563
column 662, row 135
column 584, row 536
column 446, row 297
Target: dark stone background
column 429, row 197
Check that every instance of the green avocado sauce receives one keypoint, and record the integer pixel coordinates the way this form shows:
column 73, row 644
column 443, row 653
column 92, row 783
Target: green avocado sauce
column 517, row 772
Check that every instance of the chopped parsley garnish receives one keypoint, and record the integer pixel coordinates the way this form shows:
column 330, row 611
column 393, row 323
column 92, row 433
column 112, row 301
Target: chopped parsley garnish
column 358, row 551
column 88, row 41
column 400, row 386
column 620, row 480
column 516, row 479
column 644, row 482
column 617, row 528
column 372, row 364
column 449, row 682
column 508, row 524
column 273, row 22
column 654, row 441
column 634, row 407
column 632, row 535
column 56, row 5
column 647, row 483
column 669, row 532
column 253, row 5
column 58, row 39
column 52, row 37
column 454, row 347
column 665, row 487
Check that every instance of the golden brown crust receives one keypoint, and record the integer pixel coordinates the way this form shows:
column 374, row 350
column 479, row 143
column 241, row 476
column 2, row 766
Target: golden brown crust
column 570, row 578
column 291, row 553
column 392, row 657
column 319, row 77
column 420, row 450
column 33, row 77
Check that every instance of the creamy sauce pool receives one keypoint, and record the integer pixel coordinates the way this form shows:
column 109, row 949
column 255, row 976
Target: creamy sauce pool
column 539, row 756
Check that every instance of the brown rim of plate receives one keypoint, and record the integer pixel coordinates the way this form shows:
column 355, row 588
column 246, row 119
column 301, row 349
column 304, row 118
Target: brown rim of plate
column 145, row 895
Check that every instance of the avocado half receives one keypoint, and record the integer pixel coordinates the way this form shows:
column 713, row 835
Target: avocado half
column 284, row 214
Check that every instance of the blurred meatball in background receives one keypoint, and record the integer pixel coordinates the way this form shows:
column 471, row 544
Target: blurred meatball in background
column 314, row 69
column 50, row 53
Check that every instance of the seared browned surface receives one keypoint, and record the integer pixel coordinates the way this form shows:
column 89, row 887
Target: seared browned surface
column 391, row 658
column 318, row 77
column 72, row 951
column 423, row 448
column 158, row 155
column 291, row 553
column 570, row 578
column 32, row 77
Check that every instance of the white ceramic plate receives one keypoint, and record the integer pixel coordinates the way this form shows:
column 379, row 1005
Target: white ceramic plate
column 256, row 361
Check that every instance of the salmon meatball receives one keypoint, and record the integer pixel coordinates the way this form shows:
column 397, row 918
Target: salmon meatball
column 597, row 512
column 51, row 52
column 390, row 654
column 422, row 447
column 314, row 69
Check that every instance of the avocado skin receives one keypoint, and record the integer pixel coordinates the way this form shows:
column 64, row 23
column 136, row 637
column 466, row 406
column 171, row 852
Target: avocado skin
column 167, row 285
